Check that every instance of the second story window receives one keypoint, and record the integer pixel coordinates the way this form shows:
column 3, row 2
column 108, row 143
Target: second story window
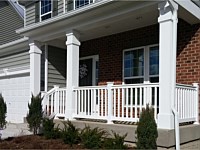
column 45, row 9
column 80, row 3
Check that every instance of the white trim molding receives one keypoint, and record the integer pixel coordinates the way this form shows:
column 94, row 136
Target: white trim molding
column 14, row 71
column 190, row 7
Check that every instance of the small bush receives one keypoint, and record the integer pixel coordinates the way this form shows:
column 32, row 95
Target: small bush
column 92, row 138
column 70, row 133
column 48, row 129
column 34, row 116
column 147, row 130
column 115, row 143
column 3, row 111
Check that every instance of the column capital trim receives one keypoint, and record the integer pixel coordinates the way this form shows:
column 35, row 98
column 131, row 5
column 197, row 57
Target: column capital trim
column 34, row 49
column 73, row 38
column 167, row 11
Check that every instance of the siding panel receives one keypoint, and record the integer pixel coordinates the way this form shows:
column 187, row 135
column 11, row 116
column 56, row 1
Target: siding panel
column 56, row 67
column 15, row 60
column 60, row 7
column 10, row 21
column 30, row 14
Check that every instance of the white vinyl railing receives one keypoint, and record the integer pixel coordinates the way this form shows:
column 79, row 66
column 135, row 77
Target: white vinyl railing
column 186, row 102
column 121, row 102
column 115, row 102
column 55, row 102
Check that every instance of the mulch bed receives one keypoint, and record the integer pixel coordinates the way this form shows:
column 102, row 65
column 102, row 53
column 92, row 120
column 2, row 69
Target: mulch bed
column 35, row 142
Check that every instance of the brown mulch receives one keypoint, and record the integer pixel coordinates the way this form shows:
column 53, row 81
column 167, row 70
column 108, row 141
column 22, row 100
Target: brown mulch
column 35, row 142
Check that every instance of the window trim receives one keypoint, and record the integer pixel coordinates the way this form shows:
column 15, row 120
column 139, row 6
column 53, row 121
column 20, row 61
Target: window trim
column 146, row 68
column 50, row 12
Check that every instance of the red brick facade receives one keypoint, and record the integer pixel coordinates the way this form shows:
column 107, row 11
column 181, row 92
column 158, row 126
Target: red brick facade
column 188, row 54
column 110, row 51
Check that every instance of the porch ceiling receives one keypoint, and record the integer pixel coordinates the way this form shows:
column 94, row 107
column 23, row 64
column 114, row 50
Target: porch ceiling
column 110, row 18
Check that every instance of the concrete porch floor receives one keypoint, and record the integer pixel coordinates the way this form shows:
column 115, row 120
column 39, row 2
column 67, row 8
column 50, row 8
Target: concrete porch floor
column 189, row 134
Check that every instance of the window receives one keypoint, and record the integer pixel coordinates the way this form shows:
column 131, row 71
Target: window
column 45, row 9
column 141, row 64
column 134, row 66
column 80, row 3
column 154, row 64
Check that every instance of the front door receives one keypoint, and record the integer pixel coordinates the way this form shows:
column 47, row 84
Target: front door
column 85, row 72
column 88, row 71
column 88, row 76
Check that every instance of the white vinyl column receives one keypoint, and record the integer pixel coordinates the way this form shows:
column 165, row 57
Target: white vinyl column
column 35, row 67
column 72, row 44
column 167, row 59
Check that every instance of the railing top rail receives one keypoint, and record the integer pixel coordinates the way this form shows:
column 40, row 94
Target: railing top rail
column 185, row 86
column 62, row 89
column 89, row 87
column 50, row 91
column 136, row 85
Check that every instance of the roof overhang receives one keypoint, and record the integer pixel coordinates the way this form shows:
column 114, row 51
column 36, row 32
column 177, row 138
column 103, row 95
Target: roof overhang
column 192, row 7
column 107, row 16
column 15, row 46
column 85, row 17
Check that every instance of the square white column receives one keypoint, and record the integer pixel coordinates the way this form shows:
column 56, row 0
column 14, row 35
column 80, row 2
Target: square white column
column 167, row 59
column 35, row 67
column 72, row 44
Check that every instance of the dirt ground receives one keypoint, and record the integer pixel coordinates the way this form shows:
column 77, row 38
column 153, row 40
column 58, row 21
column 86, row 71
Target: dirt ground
column 35, row 142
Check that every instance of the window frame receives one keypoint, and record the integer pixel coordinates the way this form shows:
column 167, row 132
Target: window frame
column 85, row 4
column 146, row 76
column 47, row 13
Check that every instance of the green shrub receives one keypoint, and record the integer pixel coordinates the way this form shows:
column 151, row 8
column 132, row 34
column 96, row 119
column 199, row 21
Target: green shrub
column 115, row 143
column 34, row 116
column 92, row 138
column 3, row 111
column 70, row 133
column 147, row 130
column 48, row 129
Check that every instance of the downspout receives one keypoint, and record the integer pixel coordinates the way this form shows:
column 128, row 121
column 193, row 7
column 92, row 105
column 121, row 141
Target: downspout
column 174, row 47
column 176, row 129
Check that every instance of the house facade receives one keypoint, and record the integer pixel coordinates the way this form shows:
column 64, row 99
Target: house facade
column 107, row 59
column 14, row 62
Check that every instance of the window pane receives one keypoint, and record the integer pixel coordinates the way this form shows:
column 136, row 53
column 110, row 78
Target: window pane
column 80, row 3
column 154, row 60
column 154, row 79
column 134, row 81
column 45, row 6
column 46, row 17
column 134, row 63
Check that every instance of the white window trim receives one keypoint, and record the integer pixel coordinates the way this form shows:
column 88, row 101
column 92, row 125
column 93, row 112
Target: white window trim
column 146, row 75
column 50, row 12
column 95, row 58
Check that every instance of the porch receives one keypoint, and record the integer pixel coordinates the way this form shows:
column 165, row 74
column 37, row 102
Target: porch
column 120, row 103
column 111, row 102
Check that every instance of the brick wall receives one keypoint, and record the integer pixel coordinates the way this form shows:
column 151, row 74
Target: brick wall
column 188, row 53
column 110, row 51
